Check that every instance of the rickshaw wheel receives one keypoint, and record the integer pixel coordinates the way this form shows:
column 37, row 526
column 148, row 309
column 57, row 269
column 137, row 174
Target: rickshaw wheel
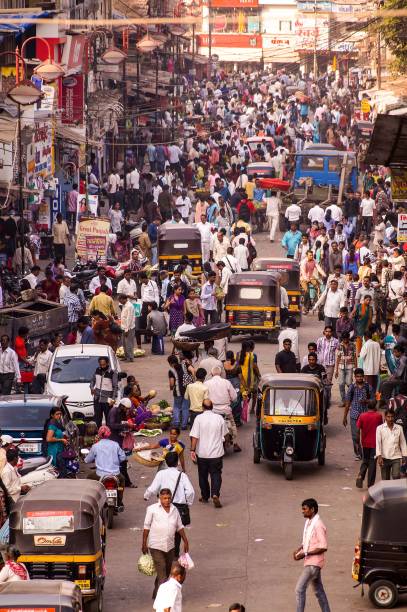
column 110, row 517
column 321, row 457
column 95, row 605
column 383, row 594
column 256, row 455
column 288, row 471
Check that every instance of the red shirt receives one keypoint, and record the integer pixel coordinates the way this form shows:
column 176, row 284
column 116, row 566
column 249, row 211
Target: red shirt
column 368, row 422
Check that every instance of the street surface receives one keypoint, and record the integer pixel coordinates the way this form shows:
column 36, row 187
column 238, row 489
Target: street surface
column 243, row 552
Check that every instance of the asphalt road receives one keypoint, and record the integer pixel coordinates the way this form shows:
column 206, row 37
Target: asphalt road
column 243, row 552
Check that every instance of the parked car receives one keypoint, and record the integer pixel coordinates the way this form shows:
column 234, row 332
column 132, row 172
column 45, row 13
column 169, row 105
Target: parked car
column 24, row 416
column 71, row 371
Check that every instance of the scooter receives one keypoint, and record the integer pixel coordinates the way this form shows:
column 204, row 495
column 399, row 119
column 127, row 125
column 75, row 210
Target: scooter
column 36, row 470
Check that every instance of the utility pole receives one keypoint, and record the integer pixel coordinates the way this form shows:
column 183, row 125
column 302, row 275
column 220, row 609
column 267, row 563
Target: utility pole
column 124, row 76
column 209, row 39
column 315, row 68
column 378, row 61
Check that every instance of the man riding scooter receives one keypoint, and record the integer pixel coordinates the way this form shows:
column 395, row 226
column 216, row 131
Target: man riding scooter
column 107, row 455
column 311, row 274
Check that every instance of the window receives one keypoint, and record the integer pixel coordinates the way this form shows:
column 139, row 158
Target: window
column 250, row 293
column 285, row 26
column 312, row 162
column 290, row 402
column 76, row 369
column 334, row 164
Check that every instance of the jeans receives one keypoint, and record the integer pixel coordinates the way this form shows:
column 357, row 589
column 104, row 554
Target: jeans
column 211, row 316
column 154, row 255
column 100, row 410
column 311, row 573
column 390, row 469
column 162, row 562
column 181, row 412
column 355, row 437
column 128, row 344
column 344, row 380
column 368, row 465
column 210, row 468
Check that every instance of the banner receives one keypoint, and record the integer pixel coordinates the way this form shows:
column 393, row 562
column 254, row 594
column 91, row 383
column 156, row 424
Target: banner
column 92, row 239
column 72, row 100
column 399, row 183
column 402, row 228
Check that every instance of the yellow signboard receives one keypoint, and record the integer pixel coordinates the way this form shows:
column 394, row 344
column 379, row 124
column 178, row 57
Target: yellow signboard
column 91, row 242
column 399, row 183
column 365, row 106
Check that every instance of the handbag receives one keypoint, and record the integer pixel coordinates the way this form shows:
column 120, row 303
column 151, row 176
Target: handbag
column 183, row 509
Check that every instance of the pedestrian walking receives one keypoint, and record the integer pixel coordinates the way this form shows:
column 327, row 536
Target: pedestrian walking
column 391, row 447
column 359, row 393
column 128, row 325
column 157, row 325
column 207, row 437
column 208, row 299
column 367, row 424
column 332, row 299
column 161, row 523
column 196, row 392
column 9, row 368
column 103, row 386
column 272, row 213
column 327, row 346
column 61, row 237
column 285, row 360
column 345, row 364
column 169, row 594
column 42, row 362
column 312, row 550
column 370, row 356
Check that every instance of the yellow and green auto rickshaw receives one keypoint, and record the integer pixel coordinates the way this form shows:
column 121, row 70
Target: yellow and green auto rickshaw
column 177, row 242
column 290, row 279
column 253, row 304
column 289, row 420
column 59, row 529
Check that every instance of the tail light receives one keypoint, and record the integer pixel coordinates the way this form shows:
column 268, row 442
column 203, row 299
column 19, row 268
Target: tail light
column 231, row 316
column 268, row 315
column 81, row 570
column 293, row 299
column 356, row 562
column 110, row 483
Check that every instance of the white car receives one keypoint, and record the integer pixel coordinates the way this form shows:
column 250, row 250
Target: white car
column 71, row 371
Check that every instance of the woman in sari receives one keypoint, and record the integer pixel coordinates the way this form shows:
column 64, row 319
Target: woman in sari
column 363, row 320
column 54, row 439
column 12, row 570
column 175, row 306
column 249, row 372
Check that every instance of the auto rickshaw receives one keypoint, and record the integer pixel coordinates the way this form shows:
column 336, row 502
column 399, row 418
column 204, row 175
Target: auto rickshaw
column 290, row 279
column 27, row 595
column 253, row 304
column 176, row 242
column 60, row 531
column 380, row 559
column 289, row 420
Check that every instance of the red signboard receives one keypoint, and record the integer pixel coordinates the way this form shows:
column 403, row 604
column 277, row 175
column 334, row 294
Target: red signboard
column 239, row 41
column 72, row 100
column 234, row 3
column 76, row 52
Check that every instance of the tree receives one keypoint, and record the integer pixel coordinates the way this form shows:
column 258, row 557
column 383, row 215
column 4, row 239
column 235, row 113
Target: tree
column 394, row 33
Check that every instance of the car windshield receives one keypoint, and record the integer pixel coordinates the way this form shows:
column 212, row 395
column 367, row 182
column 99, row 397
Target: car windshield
column 290, row 402
column 75, row 369
column 23, row 416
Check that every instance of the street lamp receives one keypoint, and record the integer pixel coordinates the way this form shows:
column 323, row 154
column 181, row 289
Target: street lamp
column 147, row 44
column 114, row 56
column 47, row 70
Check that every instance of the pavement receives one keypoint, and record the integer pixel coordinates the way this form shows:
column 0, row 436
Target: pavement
column 243, row 552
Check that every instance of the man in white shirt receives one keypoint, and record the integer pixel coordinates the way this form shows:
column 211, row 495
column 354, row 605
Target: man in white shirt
column 207, row 437
column 10, row 477
column 219, row 246
column 367, row 207
column 370, row 354
column 9, row 368
column 223, row 394
column 290, row 333
column 161, row 523
column 293, row 213
column 32, row 278
column 42, row 361
column 168, row 479
column 332, row 299
column 64, row 288
column 205, row 229
column 183, row 205
column 185, row 327
column 231, row 262
column 316, row 213
column 127, row 286
column 169, row 594
column 128, row 325
column 273, row 205
column 391, row 447
column 225, row 276
column 336, row 212
column 99, row 280
column 241, row 252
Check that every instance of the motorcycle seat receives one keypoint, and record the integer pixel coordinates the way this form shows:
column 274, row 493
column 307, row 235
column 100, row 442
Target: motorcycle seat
column 34, row 463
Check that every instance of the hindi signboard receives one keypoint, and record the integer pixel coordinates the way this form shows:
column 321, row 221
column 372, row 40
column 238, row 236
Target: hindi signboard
column 402, row 228
column 92, row 239
column 399, row 183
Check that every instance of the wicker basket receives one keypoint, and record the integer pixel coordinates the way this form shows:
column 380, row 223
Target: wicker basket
column 185, row 345
column 143, row 461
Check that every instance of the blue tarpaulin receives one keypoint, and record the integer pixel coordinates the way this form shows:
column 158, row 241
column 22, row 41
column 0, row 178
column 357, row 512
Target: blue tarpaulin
column 19, row 27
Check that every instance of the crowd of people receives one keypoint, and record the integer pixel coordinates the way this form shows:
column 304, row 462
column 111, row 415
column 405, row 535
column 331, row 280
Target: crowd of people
column 352, row 275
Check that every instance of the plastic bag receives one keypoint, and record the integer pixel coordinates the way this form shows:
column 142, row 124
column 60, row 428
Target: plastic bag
column 145, row 565
column 186, row 561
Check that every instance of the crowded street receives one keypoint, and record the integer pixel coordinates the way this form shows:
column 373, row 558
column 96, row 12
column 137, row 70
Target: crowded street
column 203, row 306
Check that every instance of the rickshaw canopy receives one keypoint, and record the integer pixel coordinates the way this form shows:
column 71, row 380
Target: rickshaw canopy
column 384, row 511
column 41, row 594
column 294, row 381
column 178, row 239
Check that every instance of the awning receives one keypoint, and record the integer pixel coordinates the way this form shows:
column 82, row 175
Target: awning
column 76, row 135
column 388, row 144
column 19, row 27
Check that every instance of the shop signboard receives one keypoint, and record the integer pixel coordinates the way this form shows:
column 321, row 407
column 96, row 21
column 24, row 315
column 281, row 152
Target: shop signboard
column 92, row 239
column 72, row 100
column 399, row 184
column 238, row 41
column 402, row 228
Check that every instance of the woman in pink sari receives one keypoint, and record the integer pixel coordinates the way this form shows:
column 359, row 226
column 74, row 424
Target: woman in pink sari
column 12, row 570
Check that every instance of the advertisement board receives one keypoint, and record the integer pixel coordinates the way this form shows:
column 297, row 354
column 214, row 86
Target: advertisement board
column 92, row 239
column 72, row 100
column 399, row 183
column 402, row 228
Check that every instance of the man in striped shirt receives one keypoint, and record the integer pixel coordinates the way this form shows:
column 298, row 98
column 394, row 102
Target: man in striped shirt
column 75, row 308
column 326, row 350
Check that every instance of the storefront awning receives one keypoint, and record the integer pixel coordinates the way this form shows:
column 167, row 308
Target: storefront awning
column 388, row 143
column 76, row 135
column 8, row 25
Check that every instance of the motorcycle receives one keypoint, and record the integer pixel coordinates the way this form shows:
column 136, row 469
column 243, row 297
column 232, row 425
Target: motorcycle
column 36, row 470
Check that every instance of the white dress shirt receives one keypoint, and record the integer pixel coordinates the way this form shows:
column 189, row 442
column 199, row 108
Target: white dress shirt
column 167, row 479
column 390, row 443
column 94, row 284
column 225, row 278
column 32, row 279
column 169, row 596
column 126, row 287
column 128, row 317
column 163, row 526
column 370, row 354
column 150, row 292
column 334, row 300
column 290, row 334
column 42, row 362
column 293, row 213
column 205, row 231
column 210, row 429
column 9, row 362
column 183, row 206
column 12, row 481
column 316, row 213
column 241, row 252
column 222, row 393
column 336, row 212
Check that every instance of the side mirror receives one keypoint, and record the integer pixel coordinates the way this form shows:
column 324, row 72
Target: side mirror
column 84, row 452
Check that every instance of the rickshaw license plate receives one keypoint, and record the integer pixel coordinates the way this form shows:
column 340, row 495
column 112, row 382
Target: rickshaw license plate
column 111, row 493
column 268, row 324
column 83, row 584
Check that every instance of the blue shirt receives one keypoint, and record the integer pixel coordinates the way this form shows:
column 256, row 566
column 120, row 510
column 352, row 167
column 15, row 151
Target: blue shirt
column 107, row 455
column 152, row 231
column 389, row 343
column 258, row 194
column 356, row 395
column 290, row 241
column 88, row 336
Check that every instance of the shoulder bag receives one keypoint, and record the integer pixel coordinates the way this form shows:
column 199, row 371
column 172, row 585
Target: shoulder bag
column 183, row 509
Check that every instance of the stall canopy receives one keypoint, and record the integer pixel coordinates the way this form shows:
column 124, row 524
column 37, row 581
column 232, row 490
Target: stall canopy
column 8, row 23
column 388, row 144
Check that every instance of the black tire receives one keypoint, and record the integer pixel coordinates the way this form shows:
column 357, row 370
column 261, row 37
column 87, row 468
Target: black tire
column 321, row 457
column 256, row 455
column 272, row 337
column 288, row 470
column 95, row 605
column 383, row 594
column 110, row 517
